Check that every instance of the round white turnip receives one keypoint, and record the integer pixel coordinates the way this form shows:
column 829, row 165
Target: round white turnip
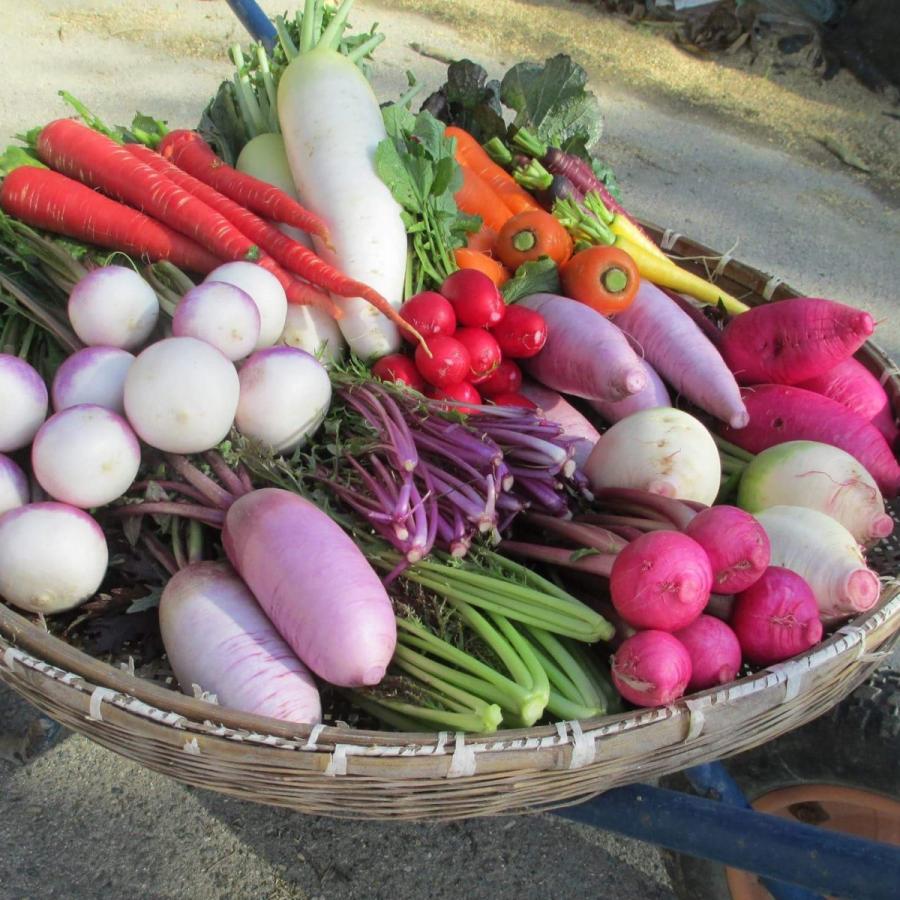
column 23, row 403
column 220, row 314
column 310, row 329
column 264, row 290
column 13, row 485
column 92, row 375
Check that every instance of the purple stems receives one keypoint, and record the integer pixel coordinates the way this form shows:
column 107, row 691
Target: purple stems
column 594, row 563
column 216, row 495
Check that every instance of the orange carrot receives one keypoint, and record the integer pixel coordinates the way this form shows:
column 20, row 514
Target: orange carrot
column 471, row 154
column 482, row 240
column 477, row 199
column 472, row 259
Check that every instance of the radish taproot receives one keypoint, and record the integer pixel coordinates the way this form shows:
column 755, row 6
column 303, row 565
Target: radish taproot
column 220, row 314
column 13, row 485
column 181, row 395
column 322, row 95
column 823, row 553
column 52, row 557
column 92, row 375
column 24, row 401
column 651, row 668
column 585, row 354
column 85, row 456
column 663, row 451
column 284, row 397
column 793, row 340
column 817, row 476
column 218, row 640
column 714, row 650
column 652, row 396
column 264, row 290
column 314, row 584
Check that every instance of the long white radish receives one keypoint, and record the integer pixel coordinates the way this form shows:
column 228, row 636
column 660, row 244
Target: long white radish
column 331, row 123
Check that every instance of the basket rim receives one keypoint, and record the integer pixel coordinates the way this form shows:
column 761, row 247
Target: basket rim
column 19, row 637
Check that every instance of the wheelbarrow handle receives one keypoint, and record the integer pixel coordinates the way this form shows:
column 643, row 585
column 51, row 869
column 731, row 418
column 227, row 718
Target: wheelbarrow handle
column 255, row 21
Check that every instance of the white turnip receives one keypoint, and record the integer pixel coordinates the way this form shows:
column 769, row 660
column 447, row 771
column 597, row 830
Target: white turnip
column 13, row 485
column 265, row 291
column 23, row 401
column 220, row 314
column 92, row 375
column 310, row 329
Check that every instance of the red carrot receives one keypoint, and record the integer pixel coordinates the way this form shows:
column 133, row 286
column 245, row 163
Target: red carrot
column 300, row 292
column 98, row 161
column 45, row 199
column 190, row 152
column 286, row 252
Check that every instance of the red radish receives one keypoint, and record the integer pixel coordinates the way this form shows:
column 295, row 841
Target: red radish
column 776, row 618
column 793, row 340
column 781, row 413
column 555, row 408
column 448, row 364
column 513, row 400
column 93, row 375
column 398, row 367
column 505, row 379
column 651, row 668
column 14, row 489
column 461, row 392
column 585, row 354
column 653, row 396
column 661, row 580
column 679, row 351
column 736, row 544
column 46, row 199
column 484, row 352
column 190, row 152
column 430, row 314
column 475, row 298
column 714, row 650
column 23, row 400
column 522, row 333
column 322, row 595
column 219, row 640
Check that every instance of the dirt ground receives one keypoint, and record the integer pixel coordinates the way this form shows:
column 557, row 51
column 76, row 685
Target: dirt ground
column 728, row 157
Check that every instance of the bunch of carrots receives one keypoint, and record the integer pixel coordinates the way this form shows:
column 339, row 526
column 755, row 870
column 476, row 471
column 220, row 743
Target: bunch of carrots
column 181, row 204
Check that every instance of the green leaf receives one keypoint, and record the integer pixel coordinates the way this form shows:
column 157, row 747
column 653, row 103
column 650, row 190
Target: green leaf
column 392, row 170
column 399, row 122
column 222, row 125
column 14, row 157
column 540, row 276
column 444, row 171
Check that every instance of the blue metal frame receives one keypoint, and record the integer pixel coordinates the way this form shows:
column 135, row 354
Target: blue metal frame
column 793, row 859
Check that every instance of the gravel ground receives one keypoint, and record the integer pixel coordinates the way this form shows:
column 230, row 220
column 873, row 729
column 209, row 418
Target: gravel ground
column 80, row 822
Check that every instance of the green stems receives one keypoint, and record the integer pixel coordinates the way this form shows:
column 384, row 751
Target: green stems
column 530, row 143
column 582, row 225
column 534, row 176
column 498, row 152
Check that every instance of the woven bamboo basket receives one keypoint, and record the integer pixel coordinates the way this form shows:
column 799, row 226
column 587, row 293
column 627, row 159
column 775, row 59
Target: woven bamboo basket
column 344, row 772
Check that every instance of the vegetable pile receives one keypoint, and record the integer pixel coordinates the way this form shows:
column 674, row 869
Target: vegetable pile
column 402, row 418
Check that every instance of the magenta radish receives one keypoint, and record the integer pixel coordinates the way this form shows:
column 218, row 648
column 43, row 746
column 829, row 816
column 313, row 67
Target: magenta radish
column 780, row 413
column 714, row 651
column 92, row 375
column 474, row 298
column 430, row 314
column 736, row 544
column 220, row 314
column 264, row 290
column 651, row 668
column 113, row 307
column 448, row 364
column 484, row 352
column 522, row 332
column 284, row 397
column 218, row 640
column 776, row 618
column 52, row 557
column 661, row 580
column 818, row 476
column 181, row 395
column 553, row 407
column 821, row 551
column 505, row 379
column 652, row 396
column 585, row 354
column 13, row 485
column 793, row 340
column 671, row 342
column 664, row 451
column 23, row 400
column 86, row 456
column 314, row 584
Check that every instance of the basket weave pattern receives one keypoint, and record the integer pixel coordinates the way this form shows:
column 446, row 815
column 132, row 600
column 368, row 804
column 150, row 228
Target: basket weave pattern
column 386, row 775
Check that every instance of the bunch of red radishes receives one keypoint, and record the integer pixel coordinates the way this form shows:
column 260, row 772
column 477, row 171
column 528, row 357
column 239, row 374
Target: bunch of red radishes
column 473, row 338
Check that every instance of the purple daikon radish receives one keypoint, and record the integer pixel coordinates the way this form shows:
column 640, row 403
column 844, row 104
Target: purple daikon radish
column 672, row 343
column 651, row 397
column 585, row 354
column 218, row 639
column 314, row 584
column 554, row 407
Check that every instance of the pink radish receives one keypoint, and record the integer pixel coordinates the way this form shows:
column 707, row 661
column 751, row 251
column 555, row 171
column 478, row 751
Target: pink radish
column 652, row 396
column 661, row 580
column 736, row 544
column 219, row 640
column 671, row 342
column 553, row 407
column 776, row 618
column 714, row 650
column 781, row 413
column 585, row 354
column 314, row 584
column 651, row 668
column 793, row 340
